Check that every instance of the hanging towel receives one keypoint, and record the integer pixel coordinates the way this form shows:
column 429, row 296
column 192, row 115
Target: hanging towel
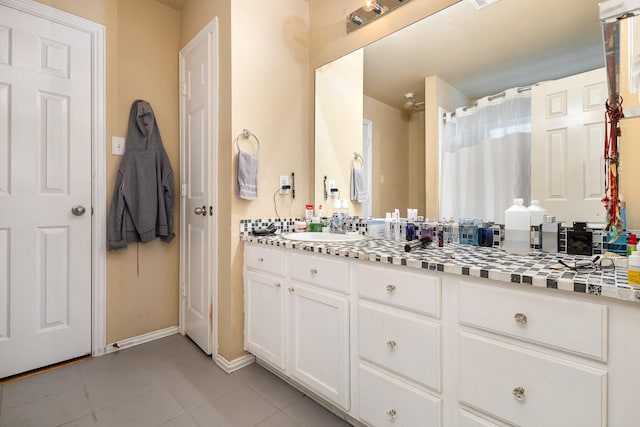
column 247, row 174
column 359, row 191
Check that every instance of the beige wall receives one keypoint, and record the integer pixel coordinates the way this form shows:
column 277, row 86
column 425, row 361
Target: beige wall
column 338, row 127
column 629, row 146
column 142, row 46
column 264, row 87
column 390, row 157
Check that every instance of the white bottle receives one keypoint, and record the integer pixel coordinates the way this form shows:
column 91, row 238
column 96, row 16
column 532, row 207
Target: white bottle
column 388, row 234
column 517, row 229
column 396, row 222
column 536, row 213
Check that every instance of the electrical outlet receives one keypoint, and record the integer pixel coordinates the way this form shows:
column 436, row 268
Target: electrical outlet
column 283, row 181
column 331, row 184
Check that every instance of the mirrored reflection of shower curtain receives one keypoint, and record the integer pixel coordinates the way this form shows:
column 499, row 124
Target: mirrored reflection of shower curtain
column 485, row 157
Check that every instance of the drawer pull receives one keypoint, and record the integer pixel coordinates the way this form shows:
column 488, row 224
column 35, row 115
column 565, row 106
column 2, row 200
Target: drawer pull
column 260, row 259
column 277, row 285
column 391, row 288
column 392, row 345
column 518, row 393
column 313, row 271
column 520, row 318
column 391, row 413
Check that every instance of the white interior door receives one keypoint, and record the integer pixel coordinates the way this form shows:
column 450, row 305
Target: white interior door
column 198, row 68
column 567, row 134
column 45, row 192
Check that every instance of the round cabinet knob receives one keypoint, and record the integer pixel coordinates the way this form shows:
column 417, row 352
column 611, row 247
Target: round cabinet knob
column 260, row 259
column 391, row 288
column 313, row 271
column 392, row 345
column 392, row 414
column 277, row 285
column 520, row 318
column 518, row 394
column 291, row 290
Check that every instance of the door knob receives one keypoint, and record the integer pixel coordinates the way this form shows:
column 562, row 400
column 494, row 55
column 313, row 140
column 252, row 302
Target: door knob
column 200, row 211
column 78, row 210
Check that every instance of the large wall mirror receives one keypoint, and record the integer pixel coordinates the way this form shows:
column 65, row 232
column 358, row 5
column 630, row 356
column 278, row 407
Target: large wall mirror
column 361, row 105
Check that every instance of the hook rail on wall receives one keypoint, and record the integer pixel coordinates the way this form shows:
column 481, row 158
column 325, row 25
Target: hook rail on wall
column 246, row 133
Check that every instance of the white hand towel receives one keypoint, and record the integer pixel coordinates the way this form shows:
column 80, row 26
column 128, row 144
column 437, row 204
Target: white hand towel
column 359, row 191
column 247, row 174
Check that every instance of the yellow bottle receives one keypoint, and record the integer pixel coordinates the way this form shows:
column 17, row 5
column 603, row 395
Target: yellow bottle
column 633, row 270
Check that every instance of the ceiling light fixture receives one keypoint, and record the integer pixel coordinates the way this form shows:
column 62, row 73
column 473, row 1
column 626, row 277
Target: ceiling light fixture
column 372, row 6
column 370, row 11
column 409, row 101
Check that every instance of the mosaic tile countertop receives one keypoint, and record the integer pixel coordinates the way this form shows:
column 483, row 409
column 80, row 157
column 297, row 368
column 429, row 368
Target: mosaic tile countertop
column 534, row 269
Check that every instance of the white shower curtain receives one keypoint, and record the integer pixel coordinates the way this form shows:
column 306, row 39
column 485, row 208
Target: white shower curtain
column 485, row 157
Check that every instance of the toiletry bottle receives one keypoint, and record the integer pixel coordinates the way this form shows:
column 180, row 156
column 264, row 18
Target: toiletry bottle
column 387, row 226
column 633, row 269
column 536, row 217
column 396, row 223
column 410, row 231
column 308, row 213
column 517, row 228
column 632, row 244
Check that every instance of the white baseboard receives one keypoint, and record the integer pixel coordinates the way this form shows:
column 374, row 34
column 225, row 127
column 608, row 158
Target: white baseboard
column 235, row 364
column 141, row 339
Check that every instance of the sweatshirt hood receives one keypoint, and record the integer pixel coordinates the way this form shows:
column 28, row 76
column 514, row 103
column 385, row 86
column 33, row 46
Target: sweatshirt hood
column 142, row 133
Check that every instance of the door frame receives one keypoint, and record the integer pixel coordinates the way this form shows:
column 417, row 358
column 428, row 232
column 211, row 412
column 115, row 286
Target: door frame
column 208, row 32
column 98, row 159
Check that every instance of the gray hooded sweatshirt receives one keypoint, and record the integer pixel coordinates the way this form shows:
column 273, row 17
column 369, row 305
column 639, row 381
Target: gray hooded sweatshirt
column 143, row 198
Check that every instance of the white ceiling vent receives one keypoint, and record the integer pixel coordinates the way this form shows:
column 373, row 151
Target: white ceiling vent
column 481, row 4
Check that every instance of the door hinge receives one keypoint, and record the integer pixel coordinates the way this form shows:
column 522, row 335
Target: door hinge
column 183, row 290
column 183, row 190
column 183, row 88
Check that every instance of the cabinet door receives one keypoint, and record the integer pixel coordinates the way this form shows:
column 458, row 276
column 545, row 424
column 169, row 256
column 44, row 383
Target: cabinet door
column 319, row 342
column 264, row 317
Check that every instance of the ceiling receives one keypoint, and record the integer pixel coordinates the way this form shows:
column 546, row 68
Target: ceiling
column 481, row 52
column 175, row 4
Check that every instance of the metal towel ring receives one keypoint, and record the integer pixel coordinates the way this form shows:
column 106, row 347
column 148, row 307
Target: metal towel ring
column 247, row 134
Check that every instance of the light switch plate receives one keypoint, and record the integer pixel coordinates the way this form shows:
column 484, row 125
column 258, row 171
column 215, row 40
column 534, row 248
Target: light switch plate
column 117, row 145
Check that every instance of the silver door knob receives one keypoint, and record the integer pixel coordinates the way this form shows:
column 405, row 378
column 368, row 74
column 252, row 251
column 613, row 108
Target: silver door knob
column 78, row 210
column 200, row 211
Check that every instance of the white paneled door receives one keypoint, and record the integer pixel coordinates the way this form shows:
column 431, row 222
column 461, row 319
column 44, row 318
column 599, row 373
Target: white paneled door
column 45, row 192
column 198, row 70
column 567, row 137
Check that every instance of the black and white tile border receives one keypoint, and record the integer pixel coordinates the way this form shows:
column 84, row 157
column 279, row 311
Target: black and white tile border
column 534, row 269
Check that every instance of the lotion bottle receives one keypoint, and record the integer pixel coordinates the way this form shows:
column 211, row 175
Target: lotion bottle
column 633, row 270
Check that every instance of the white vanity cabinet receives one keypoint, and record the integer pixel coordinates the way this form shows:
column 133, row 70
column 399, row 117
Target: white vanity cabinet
column 391, row 346
column 399, row 347
column 513, row 373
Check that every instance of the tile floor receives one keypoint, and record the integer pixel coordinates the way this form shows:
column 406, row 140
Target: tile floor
column 168, row 382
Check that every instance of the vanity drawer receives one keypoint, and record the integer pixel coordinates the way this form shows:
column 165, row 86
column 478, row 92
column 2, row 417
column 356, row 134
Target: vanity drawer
column 576, row 326
column 467, row 419
column 406, row 345
column 396, row 287
column 264, row 259
column 385, row 401
column 528, row 388
column 320, row 270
